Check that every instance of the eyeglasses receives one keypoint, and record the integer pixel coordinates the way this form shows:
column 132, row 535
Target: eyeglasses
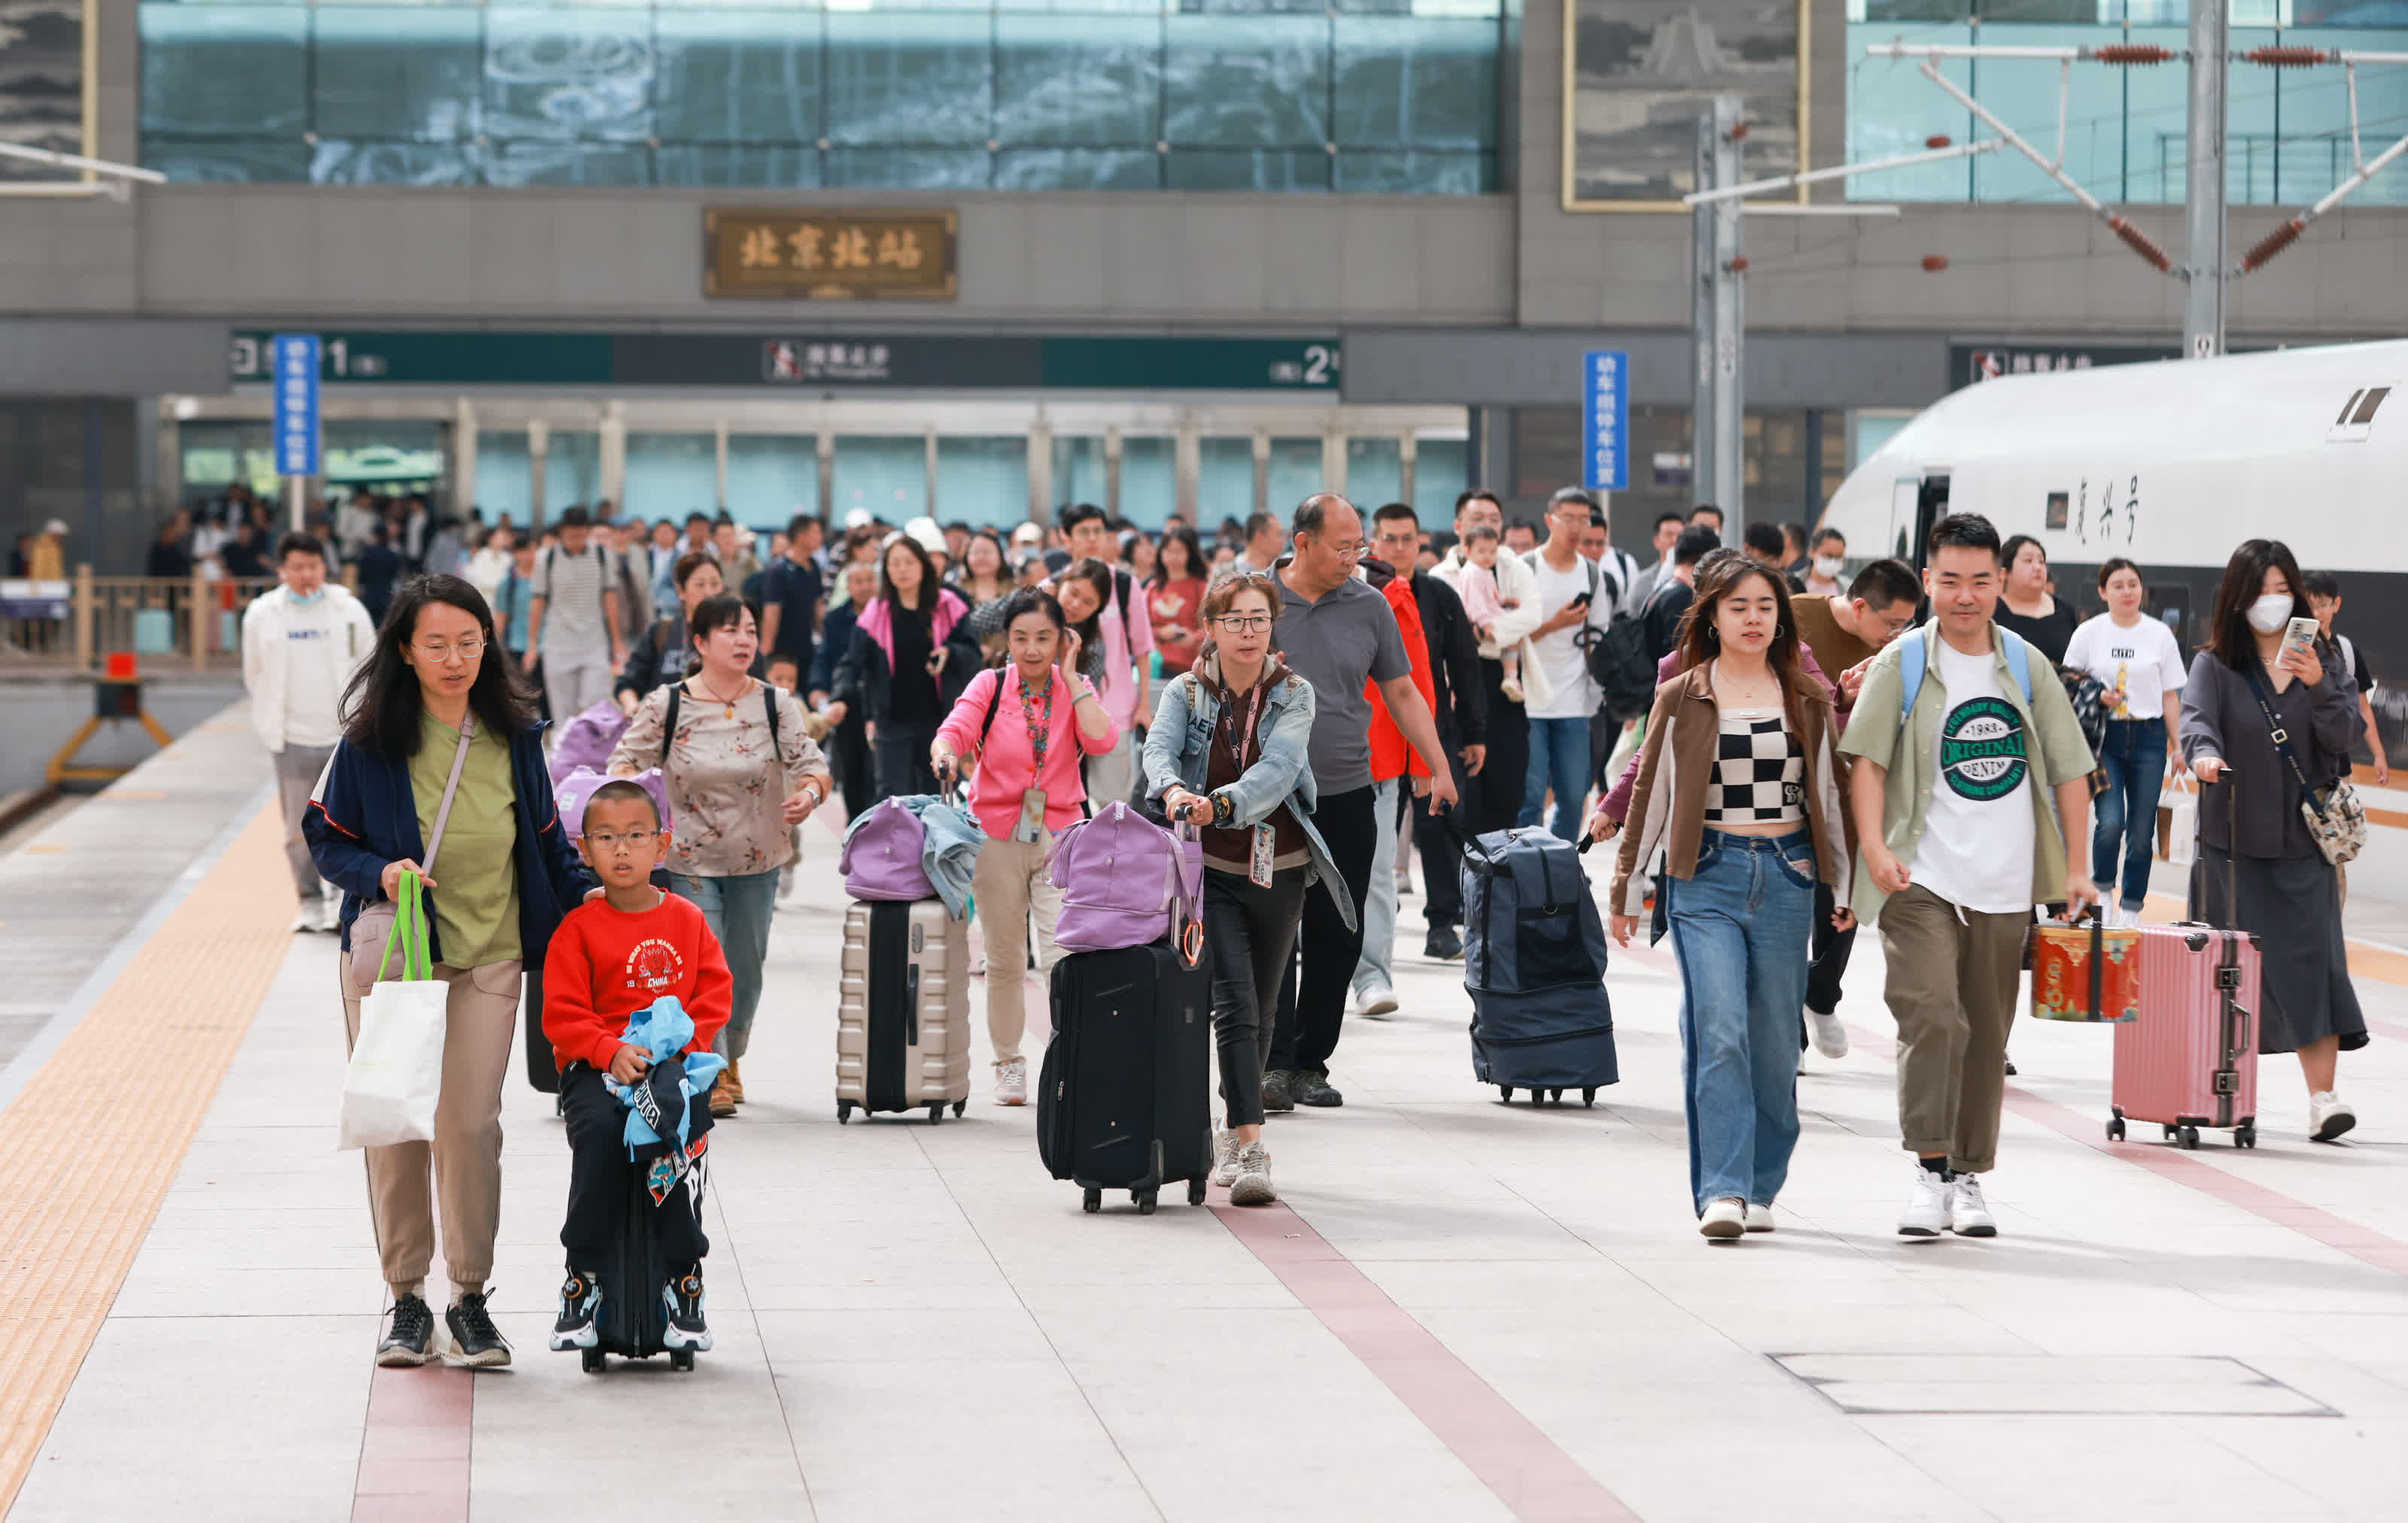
column 1245, row 624
column 467, row 650
column 607, row 840
column 1354, row 552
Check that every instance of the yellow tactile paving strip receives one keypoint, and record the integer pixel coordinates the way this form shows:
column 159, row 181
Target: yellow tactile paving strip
column 104, row 1124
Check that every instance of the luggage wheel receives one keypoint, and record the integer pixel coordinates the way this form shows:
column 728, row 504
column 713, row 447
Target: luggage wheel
column 1194, row 1192
column 957, row 1108
column 936, row 1113
column 843, row 1113
column 1588, row 1096
column 2245, row 1135
column 680, row 1358
column 1555, row 1096
column 1146, row 1201
column 2115, row 1129
column 2189, row 1136
column 1506, row 1090
column 1093, row 1201
column 593, row 1360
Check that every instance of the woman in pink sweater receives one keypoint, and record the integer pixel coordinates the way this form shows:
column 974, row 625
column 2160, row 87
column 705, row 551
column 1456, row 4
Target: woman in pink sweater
column 1027, row 724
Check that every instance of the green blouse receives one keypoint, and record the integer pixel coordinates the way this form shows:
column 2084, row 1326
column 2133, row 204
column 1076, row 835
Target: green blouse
column 476, row 903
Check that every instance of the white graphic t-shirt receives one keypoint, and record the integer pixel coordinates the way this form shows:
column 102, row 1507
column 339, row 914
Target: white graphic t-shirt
column 1976, row 850
column 2137, row 667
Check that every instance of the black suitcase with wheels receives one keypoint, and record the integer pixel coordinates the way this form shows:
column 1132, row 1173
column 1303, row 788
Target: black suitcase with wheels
column 634, row 1324
column 1124, row 1098
column 542, row 1068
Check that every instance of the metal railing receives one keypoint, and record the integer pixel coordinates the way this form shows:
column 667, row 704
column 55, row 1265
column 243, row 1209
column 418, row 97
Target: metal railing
column 74, row 624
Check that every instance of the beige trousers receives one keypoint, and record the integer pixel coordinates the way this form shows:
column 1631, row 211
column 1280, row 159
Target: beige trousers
column 1010, row 881
column 1953, row 977
column 481, row 1019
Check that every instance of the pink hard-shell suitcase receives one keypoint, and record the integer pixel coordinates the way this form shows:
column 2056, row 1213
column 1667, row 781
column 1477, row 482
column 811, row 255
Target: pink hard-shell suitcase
column 2190, row 1060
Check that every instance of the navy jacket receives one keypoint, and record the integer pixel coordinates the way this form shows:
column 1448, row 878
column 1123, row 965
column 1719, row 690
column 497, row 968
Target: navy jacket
column 365, row 815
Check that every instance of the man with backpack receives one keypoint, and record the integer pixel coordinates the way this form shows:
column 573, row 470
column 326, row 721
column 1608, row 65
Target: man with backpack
column 573, row 619
column 1573, row 599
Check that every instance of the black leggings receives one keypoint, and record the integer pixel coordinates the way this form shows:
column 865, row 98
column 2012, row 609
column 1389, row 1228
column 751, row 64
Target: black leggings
column 1251, row 932
column 1312, row 1005
column 598, row 1180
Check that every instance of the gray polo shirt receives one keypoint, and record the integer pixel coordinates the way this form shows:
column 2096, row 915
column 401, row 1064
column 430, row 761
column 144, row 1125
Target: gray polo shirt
column 1348, row 637
column 572, row 588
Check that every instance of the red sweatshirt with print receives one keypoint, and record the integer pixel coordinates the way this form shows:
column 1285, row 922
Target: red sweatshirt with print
column 604, row 965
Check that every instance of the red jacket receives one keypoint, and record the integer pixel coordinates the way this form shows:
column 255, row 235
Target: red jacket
column 604, row 965
column 1392, row 755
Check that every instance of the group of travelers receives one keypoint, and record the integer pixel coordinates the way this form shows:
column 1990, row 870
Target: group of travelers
column 1316, row 700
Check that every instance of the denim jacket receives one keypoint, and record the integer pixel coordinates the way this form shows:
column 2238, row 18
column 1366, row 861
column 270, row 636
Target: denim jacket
column 1177, row 749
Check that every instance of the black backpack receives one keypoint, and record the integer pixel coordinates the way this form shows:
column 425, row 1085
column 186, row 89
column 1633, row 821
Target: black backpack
column 1619, row 661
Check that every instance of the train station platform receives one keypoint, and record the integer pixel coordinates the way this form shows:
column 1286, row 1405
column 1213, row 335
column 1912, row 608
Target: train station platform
column 1462, row 1309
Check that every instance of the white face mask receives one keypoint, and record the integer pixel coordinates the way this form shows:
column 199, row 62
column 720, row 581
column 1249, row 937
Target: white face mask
column 1827, row 566
column 2270, row 612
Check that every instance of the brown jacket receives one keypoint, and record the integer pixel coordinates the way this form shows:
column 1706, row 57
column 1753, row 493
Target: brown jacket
column 1667, row 807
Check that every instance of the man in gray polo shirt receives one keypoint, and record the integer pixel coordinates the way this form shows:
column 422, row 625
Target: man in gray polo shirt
column 573, row 620
column 1337, row 632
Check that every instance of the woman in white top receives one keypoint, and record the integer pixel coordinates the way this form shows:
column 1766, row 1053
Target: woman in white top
column 2138, row 661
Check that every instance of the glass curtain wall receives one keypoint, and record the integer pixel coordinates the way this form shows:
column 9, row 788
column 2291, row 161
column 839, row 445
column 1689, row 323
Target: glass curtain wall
column 572, row 473
column 982, row 480
column 772, row 477
column 885, row 473
column 672, row 475
column 2125, row 128
column 1149, row 479
column 1225, row 482
column 1362, row 96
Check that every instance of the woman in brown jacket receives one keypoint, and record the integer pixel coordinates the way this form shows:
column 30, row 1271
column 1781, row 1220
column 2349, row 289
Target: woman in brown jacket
column 1739, row 787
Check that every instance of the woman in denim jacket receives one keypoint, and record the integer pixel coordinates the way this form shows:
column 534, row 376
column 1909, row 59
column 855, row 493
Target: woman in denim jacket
column 1227, row 754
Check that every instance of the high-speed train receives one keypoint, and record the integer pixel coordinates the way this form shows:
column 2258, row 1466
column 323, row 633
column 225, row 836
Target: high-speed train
column 2172, row 464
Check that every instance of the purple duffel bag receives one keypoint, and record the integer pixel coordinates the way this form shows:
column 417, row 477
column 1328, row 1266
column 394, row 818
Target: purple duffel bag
column 570, row 793
column 588, row 739
column 1126, row 882
column 883, row 855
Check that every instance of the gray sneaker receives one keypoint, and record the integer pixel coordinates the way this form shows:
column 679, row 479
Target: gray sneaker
column 1251, row 1186
column 1278, row 1091
column 1310, row 1086
column 1224, row 1158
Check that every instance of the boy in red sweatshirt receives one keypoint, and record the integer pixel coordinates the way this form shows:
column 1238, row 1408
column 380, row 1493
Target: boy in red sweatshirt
column 611, row 957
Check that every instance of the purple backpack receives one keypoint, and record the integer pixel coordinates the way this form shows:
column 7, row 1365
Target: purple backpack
column 1126, row 882
column 571, row 793
column 883, row 855
column 588, row 741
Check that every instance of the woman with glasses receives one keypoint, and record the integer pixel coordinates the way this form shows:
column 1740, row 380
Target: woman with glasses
column 660, row 652
column 741, row 773
column 440, row 772
column 1229, row 752
column 1028, row 726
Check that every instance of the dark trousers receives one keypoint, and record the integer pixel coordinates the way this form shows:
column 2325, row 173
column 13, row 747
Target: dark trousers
column 1603, row 731
column 1441, row 856
column 1827, row 959
column 1496, row 802
column 1251, row 932
column 1314, row 994
column 902, row 757
column 600, row 1178
column 856, row 775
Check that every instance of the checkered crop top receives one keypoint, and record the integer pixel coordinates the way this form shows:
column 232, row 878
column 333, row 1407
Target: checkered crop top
column 1759, row 770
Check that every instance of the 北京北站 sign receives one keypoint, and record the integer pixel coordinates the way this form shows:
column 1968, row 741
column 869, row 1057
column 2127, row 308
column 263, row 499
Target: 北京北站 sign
column 828, row 255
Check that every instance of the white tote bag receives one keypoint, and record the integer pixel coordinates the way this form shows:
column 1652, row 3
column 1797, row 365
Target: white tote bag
column 396, row 1072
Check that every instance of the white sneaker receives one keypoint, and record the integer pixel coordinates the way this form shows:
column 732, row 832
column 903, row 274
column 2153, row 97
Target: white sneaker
column 308, row 921
column 1969, row 1215
column 1011, row 1082
column 1830, row 1035
column 1377, row 1004
column 1759, row 1218
column 1926, row 1209
column 1251, row 1186
column 1224, row 1158
column 1724, row 1218
column 2328, row 1116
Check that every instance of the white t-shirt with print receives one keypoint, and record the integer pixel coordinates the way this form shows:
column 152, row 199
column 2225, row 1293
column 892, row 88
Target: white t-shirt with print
column 2137, row 667
column 1559, row 653
column 1976, row 850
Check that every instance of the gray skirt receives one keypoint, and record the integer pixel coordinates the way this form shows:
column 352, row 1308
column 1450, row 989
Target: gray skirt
column 2292, row 905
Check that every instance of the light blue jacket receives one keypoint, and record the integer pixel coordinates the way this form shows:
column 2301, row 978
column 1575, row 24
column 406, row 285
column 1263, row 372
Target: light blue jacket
column 1177, row 749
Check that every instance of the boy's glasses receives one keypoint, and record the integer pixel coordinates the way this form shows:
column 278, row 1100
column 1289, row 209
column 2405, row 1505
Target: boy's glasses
column 611, row 841
column 1245, row 624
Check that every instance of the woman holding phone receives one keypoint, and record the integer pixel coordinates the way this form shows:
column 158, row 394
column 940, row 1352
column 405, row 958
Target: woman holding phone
column 1028, row 725
column 2135, row 659
column 2258, row 675
column 911, row 655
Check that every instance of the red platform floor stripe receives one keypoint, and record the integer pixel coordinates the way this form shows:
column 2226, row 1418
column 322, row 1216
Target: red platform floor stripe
column 1496, row 1441
column 414, row 1458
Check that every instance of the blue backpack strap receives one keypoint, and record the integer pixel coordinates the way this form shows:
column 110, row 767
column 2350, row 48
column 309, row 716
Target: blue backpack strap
column 2019, row 656
column 1914, row 651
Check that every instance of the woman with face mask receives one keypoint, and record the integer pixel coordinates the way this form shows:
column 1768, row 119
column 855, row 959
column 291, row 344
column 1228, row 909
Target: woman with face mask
column 2288, row 896
column 1826, row 561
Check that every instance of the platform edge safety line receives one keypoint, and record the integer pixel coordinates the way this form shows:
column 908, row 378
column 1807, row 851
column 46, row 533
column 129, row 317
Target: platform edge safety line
column 14, row 1074
column 1508, row 1452
column 69, row 1238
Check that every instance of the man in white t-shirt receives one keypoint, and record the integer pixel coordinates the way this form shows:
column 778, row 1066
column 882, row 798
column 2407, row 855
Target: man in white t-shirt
column 1572, row 594
column 1956, row 731
column 300, row 644
column 573, row 624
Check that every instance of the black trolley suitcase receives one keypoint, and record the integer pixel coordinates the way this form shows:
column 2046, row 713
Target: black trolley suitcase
column 1534, row 963
column 1125, row 1096
column 634, row 1325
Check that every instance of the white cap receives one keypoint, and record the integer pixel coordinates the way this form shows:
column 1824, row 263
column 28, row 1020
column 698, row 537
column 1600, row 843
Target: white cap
column 931, row 538
column 57, row 526
column 1029, row 533
column 857, row 519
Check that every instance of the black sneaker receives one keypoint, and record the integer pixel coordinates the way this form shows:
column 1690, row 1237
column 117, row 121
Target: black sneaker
column 1442, row 943
column 581, row 1298
column 1311, row 1087
column 682, row 1297
column 475, row 1341
column 407, row 1335
column 1276, row 1096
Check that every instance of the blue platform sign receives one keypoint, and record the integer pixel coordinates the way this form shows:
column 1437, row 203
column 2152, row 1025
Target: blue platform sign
column 293, row 358
column 1605, row 420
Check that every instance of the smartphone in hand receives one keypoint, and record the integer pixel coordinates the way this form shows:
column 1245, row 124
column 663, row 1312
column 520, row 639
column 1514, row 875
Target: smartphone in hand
column 2300, row 634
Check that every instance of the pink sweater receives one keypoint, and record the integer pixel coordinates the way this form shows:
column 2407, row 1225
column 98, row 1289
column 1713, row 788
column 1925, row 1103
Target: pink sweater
column 1003, row 770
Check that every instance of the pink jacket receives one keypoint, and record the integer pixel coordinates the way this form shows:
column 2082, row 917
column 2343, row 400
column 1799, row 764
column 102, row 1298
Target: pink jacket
column 878, row 622
column 1005, row 767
